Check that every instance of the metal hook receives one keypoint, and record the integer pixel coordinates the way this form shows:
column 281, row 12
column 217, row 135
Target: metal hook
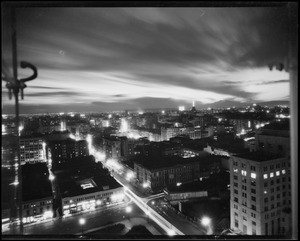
column 28, row 65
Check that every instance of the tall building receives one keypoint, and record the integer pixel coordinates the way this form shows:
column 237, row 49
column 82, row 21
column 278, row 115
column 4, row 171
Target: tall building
column 192, row 132
column 32, row 149
column 61, row 150
column 260, row 186
column 112, row 147
column 193, row 110
column 274, row 138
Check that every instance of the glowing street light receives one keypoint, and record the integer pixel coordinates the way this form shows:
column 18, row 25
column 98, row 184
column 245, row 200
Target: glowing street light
column 171, row 232
column 129, row 176
column 82, row 222
column 147, row 213
column 51, row 177
column 206, row 221
column 128, row 209
column 15, row 183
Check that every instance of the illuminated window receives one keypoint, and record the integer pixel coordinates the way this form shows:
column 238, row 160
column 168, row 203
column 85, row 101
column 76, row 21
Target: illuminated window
column 272, row 174
column 283, row 171
column 253, row 175
column 277, row 173
column 265, row 176
column 244, row 173
column 235, row 170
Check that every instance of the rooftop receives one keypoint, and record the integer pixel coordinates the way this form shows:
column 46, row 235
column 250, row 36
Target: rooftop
column 35, row 182
column 259, row 156
column 156, row 162
column 282, row 125
column 80, row 184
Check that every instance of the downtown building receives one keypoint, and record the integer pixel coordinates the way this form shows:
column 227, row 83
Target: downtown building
column 37, row 198
column 32, row 149
column 84, row 185
column 112, row 147
column 59, row 151
column 157, row 173
column 169, row 132
column 260, row 183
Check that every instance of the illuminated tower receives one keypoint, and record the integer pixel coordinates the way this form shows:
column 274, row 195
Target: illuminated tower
column 193, row 108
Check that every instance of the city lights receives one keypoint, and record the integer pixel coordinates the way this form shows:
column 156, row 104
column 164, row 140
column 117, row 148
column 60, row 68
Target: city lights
column 181, row 108
column 124, row 126
column 15, row 183
column 108, row 135
column 82, row 222
column 21, row 128
column 89, row 141
column 51, row 177
column 171, row 232
column 117, row 197
column 129, row 175
column 128, row 209
column 205, row 221
column 113, row 164
column 48, row 214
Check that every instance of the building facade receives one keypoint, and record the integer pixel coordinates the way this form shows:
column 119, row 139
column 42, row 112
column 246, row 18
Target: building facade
column 37, row 210
column 91, row 201
column 61, row 150
column 112, row 147
column 32, row 149
column 158, row 178
column 260, row 194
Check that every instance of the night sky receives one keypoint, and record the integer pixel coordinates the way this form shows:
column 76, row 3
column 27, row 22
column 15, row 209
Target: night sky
column 103, row 58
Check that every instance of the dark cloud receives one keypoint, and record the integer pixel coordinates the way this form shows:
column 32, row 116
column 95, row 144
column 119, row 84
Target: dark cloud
column 54, row 94
column 45, row 87
column 192, row 48
column 106, row 39
column 274, row 82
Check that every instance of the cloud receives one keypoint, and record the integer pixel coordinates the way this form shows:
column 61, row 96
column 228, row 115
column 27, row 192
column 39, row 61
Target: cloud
column 54, row 94
column 114, row 55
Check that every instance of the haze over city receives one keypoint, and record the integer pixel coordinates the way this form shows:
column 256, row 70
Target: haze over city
column 102, row 58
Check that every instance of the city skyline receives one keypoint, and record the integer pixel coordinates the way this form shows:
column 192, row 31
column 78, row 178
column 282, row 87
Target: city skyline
column 101, row 59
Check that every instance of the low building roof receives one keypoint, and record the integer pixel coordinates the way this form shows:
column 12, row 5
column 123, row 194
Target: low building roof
column 80, row 185
column 35, row 182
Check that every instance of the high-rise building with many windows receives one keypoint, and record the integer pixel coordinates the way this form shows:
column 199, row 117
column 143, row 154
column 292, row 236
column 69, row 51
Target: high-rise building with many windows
column 260, row 190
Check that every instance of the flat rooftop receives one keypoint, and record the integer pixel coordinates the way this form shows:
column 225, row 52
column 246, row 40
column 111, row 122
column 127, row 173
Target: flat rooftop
column 282, row 125
column 259, row 156
column 216, row 181
column 35, row 182
column 80, row 185
column 157, row 162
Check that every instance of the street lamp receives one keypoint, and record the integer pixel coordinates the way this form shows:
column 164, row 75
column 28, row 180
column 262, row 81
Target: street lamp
column 206, row 221
column 171, row 232
column 147, row 213
column 128, row 210
column 82, row 222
